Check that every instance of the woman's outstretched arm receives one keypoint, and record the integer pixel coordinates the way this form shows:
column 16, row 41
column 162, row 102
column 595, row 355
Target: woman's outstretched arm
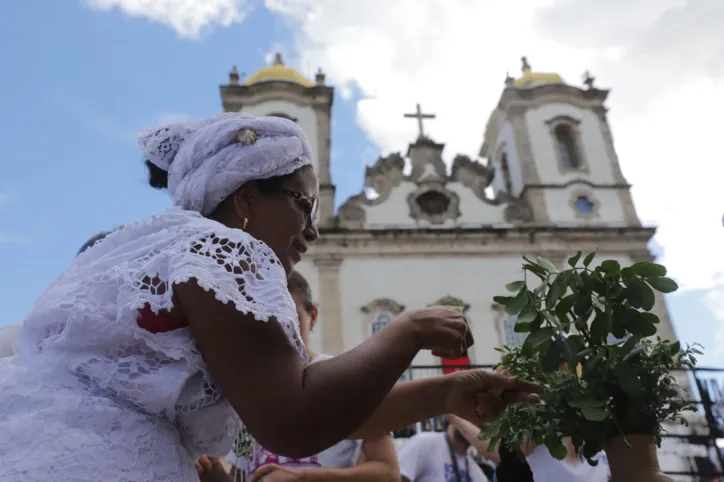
column 295, row 410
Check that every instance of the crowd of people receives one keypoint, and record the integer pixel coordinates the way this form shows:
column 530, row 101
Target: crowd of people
column 168, row 339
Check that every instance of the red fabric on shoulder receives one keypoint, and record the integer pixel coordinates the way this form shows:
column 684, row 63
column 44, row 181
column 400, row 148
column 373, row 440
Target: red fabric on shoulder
column 161, row 323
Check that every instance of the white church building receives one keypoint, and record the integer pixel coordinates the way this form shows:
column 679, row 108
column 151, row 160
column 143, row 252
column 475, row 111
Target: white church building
column 546, row 182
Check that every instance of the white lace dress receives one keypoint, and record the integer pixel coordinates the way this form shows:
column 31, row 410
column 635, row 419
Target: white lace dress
column 94, row 397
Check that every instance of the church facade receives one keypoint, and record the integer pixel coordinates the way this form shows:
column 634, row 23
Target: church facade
column 434, row 232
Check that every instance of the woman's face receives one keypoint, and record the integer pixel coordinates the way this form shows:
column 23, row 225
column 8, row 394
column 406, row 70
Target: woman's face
column 282, row 218
column 307, row 317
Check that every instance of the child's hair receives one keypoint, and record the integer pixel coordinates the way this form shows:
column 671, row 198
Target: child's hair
column 298, row 285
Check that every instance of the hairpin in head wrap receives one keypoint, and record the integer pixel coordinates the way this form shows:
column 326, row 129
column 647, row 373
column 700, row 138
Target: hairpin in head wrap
column 246, row 137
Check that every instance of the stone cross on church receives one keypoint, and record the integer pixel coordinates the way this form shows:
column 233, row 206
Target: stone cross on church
column 419, row 116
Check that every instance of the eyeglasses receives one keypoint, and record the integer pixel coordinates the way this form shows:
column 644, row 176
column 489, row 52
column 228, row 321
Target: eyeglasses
column 311, row 203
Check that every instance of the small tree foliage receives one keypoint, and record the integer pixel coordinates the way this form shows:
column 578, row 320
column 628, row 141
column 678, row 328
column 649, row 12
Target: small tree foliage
column 611, row 389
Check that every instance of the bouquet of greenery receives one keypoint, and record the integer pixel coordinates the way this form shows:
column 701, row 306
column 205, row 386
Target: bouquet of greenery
column 595, row 388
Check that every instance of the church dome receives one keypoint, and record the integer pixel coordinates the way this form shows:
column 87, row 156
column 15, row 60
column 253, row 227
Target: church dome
column 278, row 72
column 533, row 79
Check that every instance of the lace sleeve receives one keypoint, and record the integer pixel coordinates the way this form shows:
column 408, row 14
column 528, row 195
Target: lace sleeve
column 240, row 270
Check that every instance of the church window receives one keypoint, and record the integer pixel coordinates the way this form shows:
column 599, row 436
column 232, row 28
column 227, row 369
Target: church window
column 380, row 321
column 433, row 203
column 584, row 205
column 510, row 336
column 567, row 147
column 505, row 171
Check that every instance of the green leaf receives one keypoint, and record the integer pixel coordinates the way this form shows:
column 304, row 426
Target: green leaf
column 611, row 267
column 556, row 290
column 555, row 447
column 629, row 345
column 650, row 317
column 619, row 320
column 577, row 280
column 552, row 357
column 646, row 269
column 629, row 381
column 583, row 305
column 535, row 340
column 586, row 403
column 547, row 265
column 536, row 270
column 589, row 258
column 518, row 304
column 570, row 351
column 503, row 300
column 640, row 295
column 529, row 314
column 663, row 285
column 521, row 327
column 515, row 286
column 639, row 325
column 601, row 327
column 573, row 260
column 594, row 414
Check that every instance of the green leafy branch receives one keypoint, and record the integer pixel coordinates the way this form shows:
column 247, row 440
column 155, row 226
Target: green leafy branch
column 605, row 389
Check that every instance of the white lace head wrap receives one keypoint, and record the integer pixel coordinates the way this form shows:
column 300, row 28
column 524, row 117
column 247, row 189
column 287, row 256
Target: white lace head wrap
column 208, row 159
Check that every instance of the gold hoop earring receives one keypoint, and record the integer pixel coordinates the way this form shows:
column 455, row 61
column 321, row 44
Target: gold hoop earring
column 246, row 222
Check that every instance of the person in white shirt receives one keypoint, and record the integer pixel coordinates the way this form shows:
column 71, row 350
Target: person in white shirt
column 438, row 457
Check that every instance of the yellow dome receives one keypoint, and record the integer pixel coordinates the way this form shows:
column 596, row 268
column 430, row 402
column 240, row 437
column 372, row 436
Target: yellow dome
column 531, row 79
column 279, row 72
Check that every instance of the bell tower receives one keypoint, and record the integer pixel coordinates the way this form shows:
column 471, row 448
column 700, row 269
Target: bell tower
column 278, row 90
column 552, row 147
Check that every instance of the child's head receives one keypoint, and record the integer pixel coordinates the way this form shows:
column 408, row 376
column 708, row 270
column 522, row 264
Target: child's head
column 306, row 309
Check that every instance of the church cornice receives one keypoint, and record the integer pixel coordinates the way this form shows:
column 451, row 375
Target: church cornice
column 573, row 182
column 481, row 241
column 238, row 97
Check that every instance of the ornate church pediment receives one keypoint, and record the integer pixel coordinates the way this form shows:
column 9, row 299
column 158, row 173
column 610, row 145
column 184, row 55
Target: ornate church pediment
column 383, row 305
column 449, row 300
column 382, row 177
column 431, row 201
column 473, row 175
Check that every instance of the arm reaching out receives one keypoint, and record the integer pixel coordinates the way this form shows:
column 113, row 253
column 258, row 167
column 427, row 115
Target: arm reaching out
column 297, row 410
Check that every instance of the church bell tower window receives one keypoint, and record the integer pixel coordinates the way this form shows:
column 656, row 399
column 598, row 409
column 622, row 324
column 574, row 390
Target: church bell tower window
column 567, row 147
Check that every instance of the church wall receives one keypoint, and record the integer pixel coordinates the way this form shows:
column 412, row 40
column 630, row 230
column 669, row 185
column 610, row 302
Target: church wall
column 506, row 143
column 395, row 210
column 304, row 115
column 419, row 282
column 606, row 205
column 599, row 167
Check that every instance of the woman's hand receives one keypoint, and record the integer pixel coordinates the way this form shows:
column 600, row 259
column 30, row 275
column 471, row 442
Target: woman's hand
column 442, row 329
column 480, row 396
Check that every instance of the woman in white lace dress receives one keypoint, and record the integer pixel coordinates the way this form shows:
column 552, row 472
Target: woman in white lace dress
column 123, row 360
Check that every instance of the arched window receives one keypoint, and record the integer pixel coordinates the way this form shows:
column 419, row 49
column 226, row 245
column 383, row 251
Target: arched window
column 380, row 321
column 510, row 336
column 505, row 172
column 567, row 147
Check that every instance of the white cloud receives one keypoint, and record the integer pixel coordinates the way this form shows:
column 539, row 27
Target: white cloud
column 187, row 17
column 663, row 59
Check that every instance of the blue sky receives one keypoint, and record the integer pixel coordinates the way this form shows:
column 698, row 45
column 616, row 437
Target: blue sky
column 81, row 83
column 78, row 83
